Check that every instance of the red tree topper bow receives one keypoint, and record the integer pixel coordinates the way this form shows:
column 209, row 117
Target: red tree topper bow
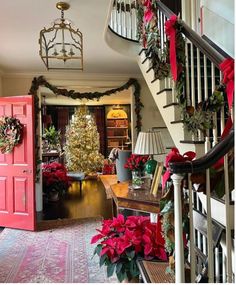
column 175, row 156
column 171, row 33
column 227, row 67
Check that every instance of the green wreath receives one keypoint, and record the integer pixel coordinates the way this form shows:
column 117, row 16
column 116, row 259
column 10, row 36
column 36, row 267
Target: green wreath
column 11, row 131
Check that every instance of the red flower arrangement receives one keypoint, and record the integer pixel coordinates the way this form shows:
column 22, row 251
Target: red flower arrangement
column 136, row 162
column 122, row 241
column 55, row 177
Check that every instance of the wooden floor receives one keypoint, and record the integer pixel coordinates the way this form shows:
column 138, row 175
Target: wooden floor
column 92, row 203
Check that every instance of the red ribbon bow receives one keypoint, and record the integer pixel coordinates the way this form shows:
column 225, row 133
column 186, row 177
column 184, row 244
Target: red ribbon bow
column 148, row 14
column 175, row 156
column 171, row 33
column 227, row 67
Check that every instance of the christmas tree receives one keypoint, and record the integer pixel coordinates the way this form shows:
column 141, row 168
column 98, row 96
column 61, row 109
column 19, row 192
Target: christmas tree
column 82, row 143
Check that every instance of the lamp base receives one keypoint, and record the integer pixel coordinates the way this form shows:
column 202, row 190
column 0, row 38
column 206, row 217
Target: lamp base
column 150, row 166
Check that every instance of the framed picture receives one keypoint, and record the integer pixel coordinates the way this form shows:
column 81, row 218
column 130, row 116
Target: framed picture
column 156, row 178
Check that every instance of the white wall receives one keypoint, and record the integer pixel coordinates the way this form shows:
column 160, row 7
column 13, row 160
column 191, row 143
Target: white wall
column 0, row 85
column 218, row 23
column 151, row 116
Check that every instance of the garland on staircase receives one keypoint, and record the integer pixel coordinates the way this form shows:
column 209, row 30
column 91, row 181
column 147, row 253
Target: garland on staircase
column 171, row 57
column 149, row 37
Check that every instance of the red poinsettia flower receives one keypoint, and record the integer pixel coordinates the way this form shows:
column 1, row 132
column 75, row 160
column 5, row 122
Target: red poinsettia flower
column 124, row 240
column 54, row 177
column 136, row 162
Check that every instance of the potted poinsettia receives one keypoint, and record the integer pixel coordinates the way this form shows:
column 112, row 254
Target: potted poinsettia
column 55, row 180
column 122, row 241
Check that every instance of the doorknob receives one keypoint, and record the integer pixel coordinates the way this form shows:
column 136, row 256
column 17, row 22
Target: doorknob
column 27, row 171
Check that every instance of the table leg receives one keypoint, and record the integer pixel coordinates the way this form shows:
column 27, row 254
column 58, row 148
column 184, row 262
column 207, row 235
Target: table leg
column 114, row 209
column 80, row 187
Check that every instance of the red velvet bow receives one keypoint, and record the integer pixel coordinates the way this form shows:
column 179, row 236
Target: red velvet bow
column 175, row 156
column 227, row 67
column 148, row 14
column 171, row 33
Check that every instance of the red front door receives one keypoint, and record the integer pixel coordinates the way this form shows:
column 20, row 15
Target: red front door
column 17, row 187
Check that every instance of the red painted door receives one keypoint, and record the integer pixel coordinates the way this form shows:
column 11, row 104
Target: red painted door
column 17, row 187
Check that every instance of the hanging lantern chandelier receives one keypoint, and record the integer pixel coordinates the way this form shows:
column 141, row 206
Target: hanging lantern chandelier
column 61, row 46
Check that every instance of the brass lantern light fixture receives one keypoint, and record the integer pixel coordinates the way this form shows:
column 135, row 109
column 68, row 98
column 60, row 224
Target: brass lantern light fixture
column 61, row 46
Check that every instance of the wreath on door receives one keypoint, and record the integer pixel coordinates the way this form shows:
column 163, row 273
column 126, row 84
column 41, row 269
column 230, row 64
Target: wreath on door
column 11, row 133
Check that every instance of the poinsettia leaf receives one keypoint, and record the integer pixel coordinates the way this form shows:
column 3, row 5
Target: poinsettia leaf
column 102, row 260
column 130, row 254
column 110, row 269
column 118, row 267
column 133, row 268
column 163, row 202
column 168, row 207
column 96, row 238
column 121, row 275
column 98, row 249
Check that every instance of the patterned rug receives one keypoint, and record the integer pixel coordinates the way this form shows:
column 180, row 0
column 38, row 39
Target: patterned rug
column 59, row 252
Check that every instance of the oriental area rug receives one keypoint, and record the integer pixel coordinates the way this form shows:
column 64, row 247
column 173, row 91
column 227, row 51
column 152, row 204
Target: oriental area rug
column 58, row 252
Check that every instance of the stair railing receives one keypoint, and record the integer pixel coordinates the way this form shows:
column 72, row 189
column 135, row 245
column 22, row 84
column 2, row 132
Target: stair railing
column 123, row 20
column 220, row 150
column 202, row 76
column 202, row 73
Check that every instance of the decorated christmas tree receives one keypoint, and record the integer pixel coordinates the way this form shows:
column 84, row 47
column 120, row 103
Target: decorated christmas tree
column 82, row 143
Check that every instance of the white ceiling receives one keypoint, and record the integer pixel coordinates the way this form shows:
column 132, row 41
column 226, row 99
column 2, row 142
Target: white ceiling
column 22, row 20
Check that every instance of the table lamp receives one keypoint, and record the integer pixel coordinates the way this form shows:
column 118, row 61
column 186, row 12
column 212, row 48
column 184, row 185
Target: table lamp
column 150, row 143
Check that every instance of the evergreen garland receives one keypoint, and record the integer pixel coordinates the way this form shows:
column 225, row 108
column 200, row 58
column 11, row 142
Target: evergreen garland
column 149, row 37
column 41, row 81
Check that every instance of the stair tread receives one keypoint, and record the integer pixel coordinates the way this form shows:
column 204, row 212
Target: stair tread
column 146, row 58
column 177, row 122
column 155, row 79
column 192, row 142
column 171, row 104
column 163, row 90
column 142, row 50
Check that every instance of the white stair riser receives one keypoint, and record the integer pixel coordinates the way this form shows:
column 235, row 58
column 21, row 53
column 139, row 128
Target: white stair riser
column 218, row 210
column 169, row 114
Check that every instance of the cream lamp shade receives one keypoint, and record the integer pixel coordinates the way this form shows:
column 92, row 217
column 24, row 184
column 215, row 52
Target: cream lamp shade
column 149, row 143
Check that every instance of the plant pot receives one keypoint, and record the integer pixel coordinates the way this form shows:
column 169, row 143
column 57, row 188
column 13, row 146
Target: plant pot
column 132, row 280
column 53, row 196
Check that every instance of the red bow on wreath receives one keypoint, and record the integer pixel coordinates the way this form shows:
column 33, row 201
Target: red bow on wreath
column 175, row 156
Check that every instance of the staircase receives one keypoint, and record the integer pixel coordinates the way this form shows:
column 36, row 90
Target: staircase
column 202, row 75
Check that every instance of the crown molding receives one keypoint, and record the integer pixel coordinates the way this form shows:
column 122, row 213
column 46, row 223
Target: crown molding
column 87, row 81
column 71, row 76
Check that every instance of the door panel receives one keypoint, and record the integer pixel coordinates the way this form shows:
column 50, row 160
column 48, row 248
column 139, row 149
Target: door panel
column 17, row 187
column 3, row 196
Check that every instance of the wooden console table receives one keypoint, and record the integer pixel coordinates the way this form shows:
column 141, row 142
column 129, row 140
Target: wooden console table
column 126, row 198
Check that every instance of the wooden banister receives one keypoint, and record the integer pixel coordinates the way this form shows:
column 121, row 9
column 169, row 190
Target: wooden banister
column 207, row 49
column 207, row 160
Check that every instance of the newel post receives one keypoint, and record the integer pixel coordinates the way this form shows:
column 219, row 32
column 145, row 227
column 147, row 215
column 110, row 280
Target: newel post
column 179, row 248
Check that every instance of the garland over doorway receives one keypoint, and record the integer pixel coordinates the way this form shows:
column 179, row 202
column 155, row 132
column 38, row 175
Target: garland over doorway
column 41, row 81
